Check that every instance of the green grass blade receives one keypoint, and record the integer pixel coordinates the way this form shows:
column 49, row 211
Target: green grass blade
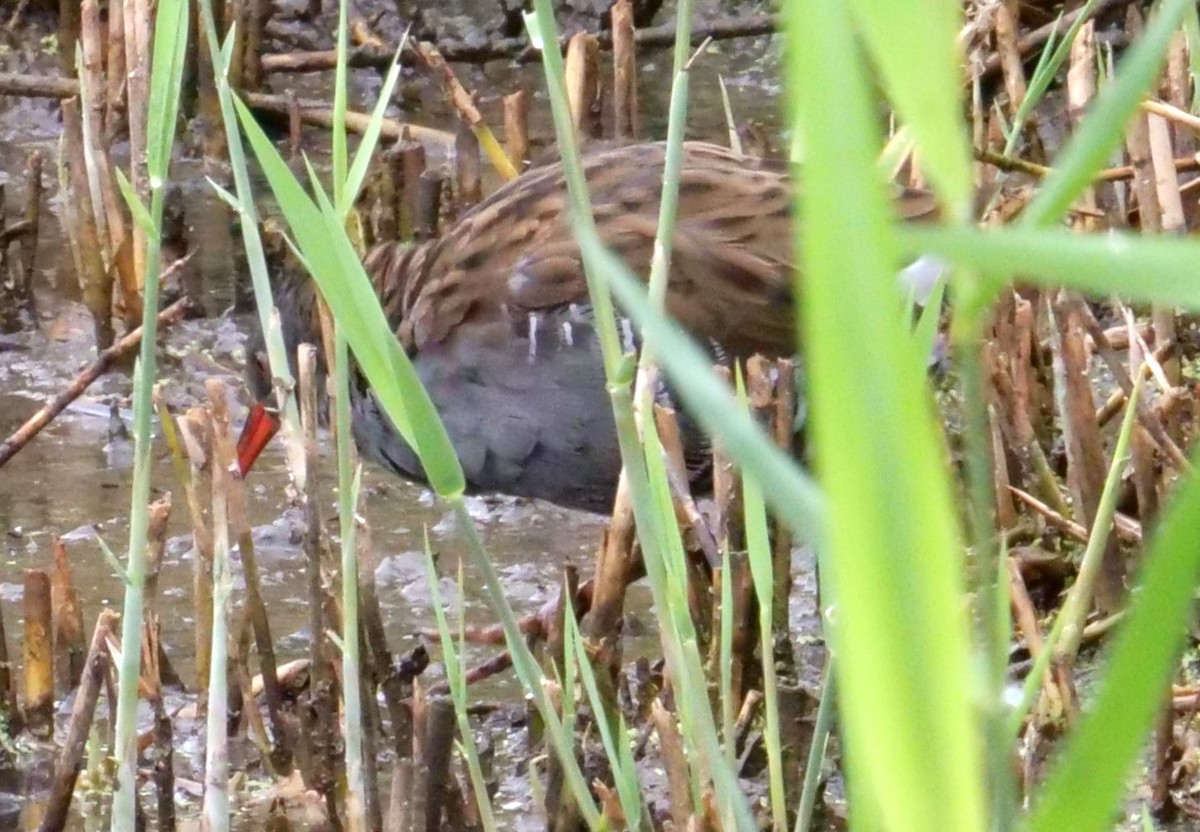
column 370, row 138
column 1101, row 751
column 916, row 46
column 901, row 632
column 1167, row 269
column 339, row 272
column 170, row 50
column 137, row 208
column 1053, row 55
column 456, row 678
column 170, row 38
column 612, row 731
column 338, row 128
column 762, row 572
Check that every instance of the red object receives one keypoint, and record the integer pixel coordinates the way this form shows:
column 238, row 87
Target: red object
column 261, row 426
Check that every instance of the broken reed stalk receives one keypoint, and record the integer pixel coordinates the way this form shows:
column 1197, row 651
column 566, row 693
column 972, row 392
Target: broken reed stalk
column 1171, row 221
column 516, row 128
column 318, row 114
column 468, row 176
column 323, row 760
column 430, row 188
column 434, row 759
column 1058, row 691
column 308, row 111
column 1167, row 205
column 782, row 422
column 464, row 103
column 38, row 654
column 1086, row 467
column 583, row 84
column 1085, row 454
column 159, row 514
column 9, row 711
column 69, row 642
column 164, row 765
column 109, row 208
column 244, row 706
column 675, row 762
column 625, row 100
column 256, row 614
column 160, row 749
column 95, row 280
column 616, row 562
column 400, row 805
column 256, row 15
column 195, row 429
column 68, row 34
column 115, row 125
column 207, row 102
column 699, row 544
column 138, row 27
column 28, row 241
column 407, row 161
column 372, row 733
column 234, row 25
column 70, row 757
column 729, row 520
column 216, row 758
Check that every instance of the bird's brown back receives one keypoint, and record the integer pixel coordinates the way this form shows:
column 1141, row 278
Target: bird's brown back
column 515, row 253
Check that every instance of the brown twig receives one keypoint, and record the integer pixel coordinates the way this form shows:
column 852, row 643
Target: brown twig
column 1127, row 528
column 34, row 424
column 311, row 112
column 70, row 757
column 1117, row 174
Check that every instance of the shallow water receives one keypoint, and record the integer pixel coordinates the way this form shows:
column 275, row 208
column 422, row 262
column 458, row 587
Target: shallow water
column 69, row 482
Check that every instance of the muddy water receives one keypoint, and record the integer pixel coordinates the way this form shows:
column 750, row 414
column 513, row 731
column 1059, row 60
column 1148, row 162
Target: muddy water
column 73, row 482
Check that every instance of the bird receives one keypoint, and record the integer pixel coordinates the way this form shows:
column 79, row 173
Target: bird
column 494, row 314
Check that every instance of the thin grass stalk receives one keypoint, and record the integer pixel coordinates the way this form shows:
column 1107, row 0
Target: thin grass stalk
column 660, row 260
column 349, row 488
column 170, row 41
column 1191, row 29
column 541, row 25
column 682, row 655
column 982, row 501
column 1049, row 62
column 728, row 717
column 1074, row 612
column 613, row 732
column 1103, row 126
column 457, row 679
column 252, row 241
column 668, row 584
column 525, row 664
column 1062, row 643
column 649, row 522
column 823, row 727
column 216, row 747
column 762, row 571
column 349, row 481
